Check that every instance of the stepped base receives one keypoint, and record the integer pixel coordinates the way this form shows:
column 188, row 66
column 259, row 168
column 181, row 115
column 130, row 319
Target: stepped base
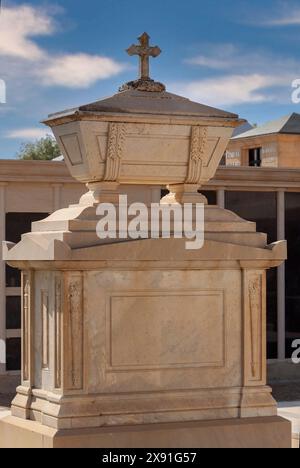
column 271, row 432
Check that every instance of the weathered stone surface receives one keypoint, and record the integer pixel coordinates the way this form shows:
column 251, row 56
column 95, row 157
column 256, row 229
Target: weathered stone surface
column 247, row 433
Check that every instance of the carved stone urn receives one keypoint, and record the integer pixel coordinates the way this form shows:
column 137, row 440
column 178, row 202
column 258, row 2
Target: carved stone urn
column 137, row 137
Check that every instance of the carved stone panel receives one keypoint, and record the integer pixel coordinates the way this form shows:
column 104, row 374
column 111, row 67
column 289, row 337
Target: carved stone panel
column 71, row 145
column 58, row 324
column 197, row 152
column 254, row 328
column 26, row 321
column 73, row 331
column 45, row 328
column 115, row 147
column 25, row 326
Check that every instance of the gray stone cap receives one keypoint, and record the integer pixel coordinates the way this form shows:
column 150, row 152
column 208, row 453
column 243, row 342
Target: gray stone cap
column 139, row 102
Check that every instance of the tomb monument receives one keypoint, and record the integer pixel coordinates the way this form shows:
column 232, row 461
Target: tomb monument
column 143, row 343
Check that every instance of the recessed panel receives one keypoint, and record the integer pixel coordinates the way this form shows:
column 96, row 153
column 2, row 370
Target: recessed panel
column 72, row 148
column 166, row 331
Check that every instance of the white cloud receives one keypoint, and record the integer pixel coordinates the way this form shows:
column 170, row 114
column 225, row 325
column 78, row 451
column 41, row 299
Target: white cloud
column 230, row 90
column 218, row 57
column 292, row 19
column 78, row 70
column 27, row 133
column 237, row 59
column 284, row 13
column 243, row 76
column 18, row 25
column 24, row 61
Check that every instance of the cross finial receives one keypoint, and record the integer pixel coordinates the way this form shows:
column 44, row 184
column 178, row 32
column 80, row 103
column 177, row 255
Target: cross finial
column 144, row 51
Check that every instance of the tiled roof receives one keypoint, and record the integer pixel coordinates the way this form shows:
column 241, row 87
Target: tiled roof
column 289, row 124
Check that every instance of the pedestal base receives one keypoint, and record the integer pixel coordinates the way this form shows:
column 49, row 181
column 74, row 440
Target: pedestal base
column 272, row 432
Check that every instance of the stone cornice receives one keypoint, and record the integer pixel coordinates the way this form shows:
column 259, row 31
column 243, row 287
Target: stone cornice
column 34, row 172
column 162, row 119
column 234, row 178
column 250, row 178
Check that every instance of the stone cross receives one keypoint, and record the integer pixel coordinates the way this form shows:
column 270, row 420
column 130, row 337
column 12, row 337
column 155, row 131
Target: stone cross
column 144, row 51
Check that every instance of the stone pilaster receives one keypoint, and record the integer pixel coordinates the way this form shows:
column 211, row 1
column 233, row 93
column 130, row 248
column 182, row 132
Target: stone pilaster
column 221, row 198
column 256, row 399
column 2, row 284
column 281, row 319
column 57, row 188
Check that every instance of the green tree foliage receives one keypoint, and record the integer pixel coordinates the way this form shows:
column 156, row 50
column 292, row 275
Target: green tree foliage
column 44, row 149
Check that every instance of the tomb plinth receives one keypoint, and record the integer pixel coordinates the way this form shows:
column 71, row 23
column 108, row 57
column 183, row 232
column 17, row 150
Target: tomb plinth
column 143, row 343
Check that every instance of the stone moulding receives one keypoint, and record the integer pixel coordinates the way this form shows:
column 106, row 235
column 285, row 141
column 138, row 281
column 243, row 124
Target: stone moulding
column 75, row 412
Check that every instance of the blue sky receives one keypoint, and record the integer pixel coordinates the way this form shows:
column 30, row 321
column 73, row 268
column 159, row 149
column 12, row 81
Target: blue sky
column 241, row 56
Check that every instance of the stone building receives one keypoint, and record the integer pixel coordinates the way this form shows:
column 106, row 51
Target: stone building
column 274, row 144
column 266, row 163
column 271, row 198
column 268, row 193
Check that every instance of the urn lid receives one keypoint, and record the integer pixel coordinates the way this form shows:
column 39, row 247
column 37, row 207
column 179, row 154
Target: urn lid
column 133, row 101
